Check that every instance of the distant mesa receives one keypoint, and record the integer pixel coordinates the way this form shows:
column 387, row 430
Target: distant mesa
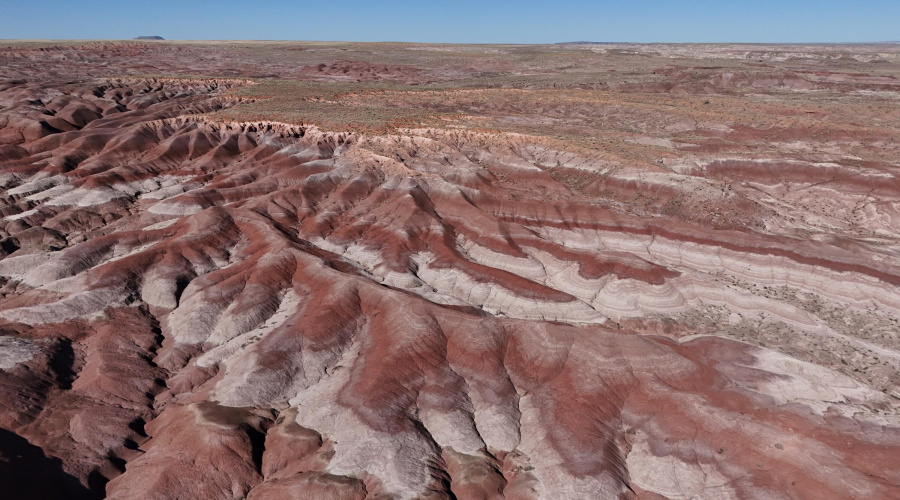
column 587, row 43
column 154, row 37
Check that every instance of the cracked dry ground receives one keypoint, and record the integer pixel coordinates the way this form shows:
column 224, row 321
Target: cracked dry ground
column 194, row 307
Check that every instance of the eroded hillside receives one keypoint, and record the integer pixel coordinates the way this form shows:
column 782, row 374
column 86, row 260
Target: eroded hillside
column 272, row 271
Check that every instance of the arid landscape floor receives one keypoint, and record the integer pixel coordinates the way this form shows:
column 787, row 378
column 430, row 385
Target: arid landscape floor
column 273, row 270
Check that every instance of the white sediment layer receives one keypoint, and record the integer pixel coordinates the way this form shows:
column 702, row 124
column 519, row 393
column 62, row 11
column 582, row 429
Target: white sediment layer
column 15, row 351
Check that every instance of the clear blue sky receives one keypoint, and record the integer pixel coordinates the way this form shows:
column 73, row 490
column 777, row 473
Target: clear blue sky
column 464, row 21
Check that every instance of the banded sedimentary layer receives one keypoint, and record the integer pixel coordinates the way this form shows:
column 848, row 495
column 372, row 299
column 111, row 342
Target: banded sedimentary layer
column 194, row 307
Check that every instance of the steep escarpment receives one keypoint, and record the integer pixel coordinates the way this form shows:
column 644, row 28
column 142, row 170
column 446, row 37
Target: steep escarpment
column 198, row 308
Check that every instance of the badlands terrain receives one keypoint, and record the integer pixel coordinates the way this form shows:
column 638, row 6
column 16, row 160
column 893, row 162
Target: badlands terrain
column 395, row 271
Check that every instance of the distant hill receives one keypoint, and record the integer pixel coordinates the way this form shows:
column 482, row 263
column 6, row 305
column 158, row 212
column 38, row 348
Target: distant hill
column 588, row 43
column 154, row 37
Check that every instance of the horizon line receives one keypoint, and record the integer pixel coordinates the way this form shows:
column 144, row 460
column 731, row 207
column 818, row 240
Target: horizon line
column 568, row 42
